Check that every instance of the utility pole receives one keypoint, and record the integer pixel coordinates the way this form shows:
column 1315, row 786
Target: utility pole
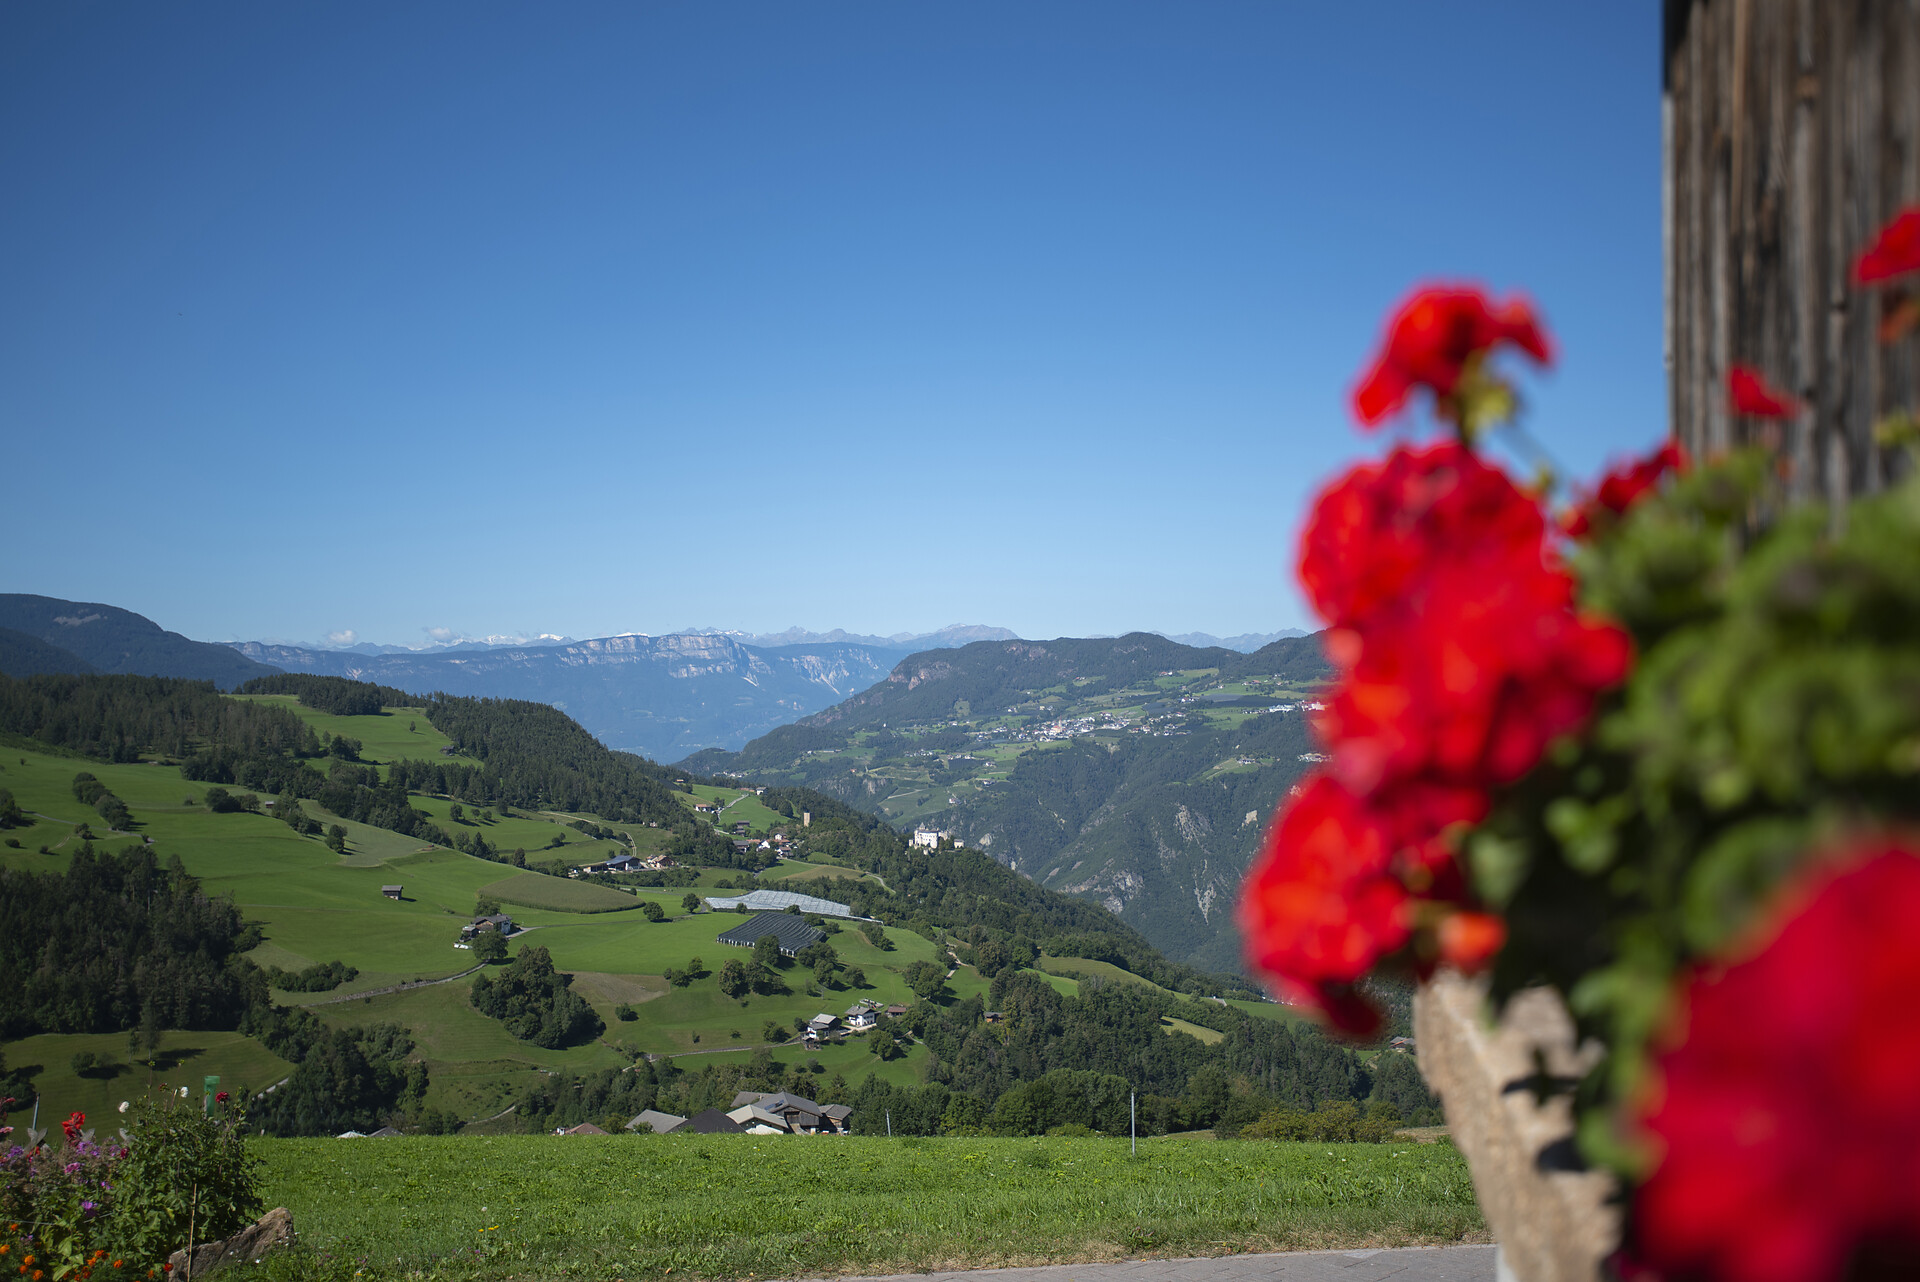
column 889, row 1123
column 1133, row 1122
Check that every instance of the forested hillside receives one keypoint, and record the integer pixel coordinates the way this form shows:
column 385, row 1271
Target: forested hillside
column 313, row 944
column 1137, row 772
column 105, row 638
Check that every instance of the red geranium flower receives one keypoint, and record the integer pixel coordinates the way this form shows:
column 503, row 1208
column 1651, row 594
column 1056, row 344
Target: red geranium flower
column 221, row 1097
column 1318, row 906
column 1786, row 1106
column 72, row 1126
column 1753, row 396
column 1471, row 684
column 1894, row 252
column 1433, row 336
column 1382, row 526
column 1621, row 488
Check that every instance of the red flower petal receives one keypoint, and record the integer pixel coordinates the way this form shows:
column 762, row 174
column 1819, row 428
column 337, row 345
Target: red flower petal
column 1431, row 337
column 1797, row 1059
column 1753, row 396
column 1894, row 252
column 1621, row 488
column 1470, row 940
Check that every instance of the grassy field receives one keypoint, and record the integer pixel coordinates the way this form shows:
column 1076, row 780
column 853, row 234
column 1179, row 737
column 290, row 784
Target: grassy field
column 540, row 1207
column 182, row 1059
column 1081, row 968
column 1211, row 1036
column 317, row 906
column 537, row 890
column 402, row 734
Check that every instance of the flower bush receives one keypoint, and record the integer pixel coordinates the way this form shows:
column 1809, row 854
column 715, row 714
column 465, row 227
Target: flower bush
column 1657, row 746
column 77, row 1208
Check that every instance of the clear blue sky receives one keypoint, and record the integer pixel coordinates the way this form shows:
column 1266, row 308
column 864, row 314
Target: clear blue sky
column 596, row 318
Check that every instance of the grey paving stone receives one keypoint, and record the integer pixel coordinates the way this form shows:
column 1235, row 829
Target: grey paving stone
column 1413, row 1264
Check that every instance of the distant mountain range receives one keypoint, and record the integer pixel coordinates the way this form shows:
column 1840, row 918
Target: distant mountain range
column 35, row 631
column 954, row 634
column 1133, row 770
column 661, row 697
column 1245, row 643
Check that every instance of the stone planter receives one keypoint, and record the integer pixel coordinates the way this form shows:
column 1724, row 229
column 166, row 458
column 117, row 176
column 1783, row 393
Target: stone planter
column 1554, row 1221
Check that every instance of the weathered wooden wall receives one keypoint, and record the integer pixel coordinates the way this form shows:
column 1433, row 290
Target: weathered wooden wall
column 1792, row 133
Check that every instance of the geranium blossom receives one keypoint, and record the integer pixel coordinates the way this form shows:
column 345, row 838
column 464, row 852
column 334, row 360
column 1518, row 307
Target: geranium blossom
column 1433, row 337
column 1751, row 394
column 1461, row 657
column 1621, row 488
column 1894, row 252
column 1379, row 528
column 1786, row 1103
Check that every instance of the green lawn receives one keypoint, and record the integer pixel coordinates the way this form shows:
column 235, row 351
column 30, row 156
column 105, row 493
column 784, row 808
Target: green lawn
column 544, row 1207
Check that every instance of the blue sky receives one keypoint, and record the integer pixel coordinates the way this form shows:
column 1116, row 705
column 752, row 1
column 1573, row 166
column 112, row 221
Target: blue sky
column 596, row 318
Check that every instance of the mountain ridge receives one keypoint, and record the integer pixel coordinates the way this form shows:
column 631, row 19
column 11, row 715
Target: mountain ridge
column 1134, row 771
column 113, row 640
column 659, row 696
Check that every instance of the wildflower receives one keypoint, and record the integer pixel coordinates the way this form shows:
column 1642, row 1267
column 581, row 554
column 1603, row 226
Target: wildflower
column 1789, row 1059
column 1753, row 396
column 221, row 1098
column 1895, row 251
column 1621, row 488
column 1436, row 339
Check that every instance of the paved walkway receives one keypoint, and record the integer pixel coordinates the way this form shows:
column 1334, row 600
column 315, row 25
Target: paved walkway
column 1416, row 1264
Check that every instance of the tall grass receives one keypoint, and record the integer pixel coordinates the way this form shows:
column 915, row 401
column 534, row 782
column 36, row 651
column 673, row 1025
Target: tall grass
column 535, row 1207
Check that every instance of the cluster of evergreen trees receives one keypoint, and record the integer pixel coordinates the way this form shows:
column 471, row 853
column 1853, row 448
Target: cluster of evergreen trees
column 345, row 1079
column 118, row 942
column 323, row 977
column 536, row 756
column 89, row 791
column 536, row 1002
column 335, row 695
column 116, row 718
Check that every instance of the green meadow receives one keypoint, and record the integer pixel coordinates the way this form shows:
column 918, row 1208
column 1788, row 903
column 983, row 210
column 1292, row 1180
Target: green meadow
column 181, row 1059
column 315, row 906
column 547, row 1207
column 402, row 733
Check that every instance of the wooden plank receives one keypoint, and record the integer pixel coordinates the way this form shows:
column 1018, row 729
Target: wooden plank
column 1791, row 133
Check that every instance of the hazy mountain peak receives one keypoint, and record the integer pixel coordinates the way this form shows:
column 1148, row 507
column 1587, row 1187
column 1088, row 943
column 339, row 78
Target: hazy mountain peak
column 949, row 637
column 1245, row 643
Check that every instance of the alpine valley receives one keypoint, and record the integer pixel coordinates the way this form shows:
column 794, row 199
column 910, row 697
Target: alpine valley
column 1135, row 771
